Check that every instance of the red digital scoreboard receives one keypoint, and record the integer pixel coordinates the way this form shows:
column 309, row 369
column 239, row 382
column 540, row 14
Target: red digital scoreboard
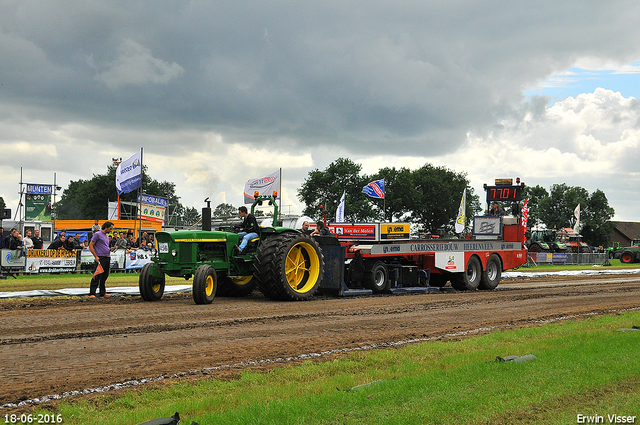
column 503, row 193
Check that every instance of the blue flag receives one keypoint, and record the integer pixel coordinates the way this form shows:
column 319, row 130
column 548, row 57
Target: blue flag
column 375, row 189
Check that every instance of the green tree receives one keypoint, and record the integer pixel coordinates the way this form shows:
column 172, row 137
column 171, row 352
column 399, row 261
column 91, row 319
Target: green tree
column 534, row 196
column 2, row 204
column 556, row 210
column 597, row 226
column 436, row 198
column 224, row 211
column 399, row 190
column 326, row 187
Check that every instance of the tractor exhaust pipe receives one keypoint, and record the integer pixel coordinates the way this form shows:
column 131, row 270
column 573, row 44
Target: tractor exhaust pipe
column 206, row 216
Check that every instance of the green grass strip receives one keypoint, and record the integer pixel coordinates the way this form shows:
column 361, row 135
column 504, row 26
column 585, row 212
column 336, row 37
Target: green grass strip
column 583, row 367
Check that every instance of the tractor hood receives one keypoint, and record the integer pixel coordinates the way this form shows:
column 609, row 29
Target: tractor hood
column 195, row 236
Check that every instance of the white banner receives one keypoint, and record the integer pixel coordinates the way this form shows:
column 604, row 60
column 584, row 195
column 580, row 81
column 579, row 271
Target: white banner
column 137, row 259
column 263, row 185
column 129, row 174
column 340, row 210
column 576, row 213
column 461, row 220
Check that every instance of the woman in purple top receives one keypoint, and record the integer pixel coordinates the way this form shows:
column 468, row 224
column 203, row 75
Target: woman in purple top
column 99, row 247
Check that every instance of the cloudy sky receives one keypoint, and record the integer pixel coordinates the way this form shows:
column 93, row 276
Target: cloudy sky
column 218, row 92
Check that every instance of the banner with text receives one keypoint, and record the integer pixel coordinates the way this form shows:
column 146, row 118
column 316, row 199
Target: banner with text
column 38, row 202
column 51, row 261
column 264, row 186
column 129, row 174
column 152, row 208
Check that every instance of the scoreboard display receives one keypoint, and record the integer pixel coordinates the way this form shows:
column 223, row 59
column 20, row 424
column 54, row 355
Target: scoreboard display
column 503, row 193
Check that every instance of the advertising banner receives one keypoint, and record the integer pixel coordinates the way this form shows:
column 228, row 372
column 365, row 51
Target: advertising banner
column 12, row 259
column 152, row 208
column 364, row 231
column 38, row 202
column 129, row 174
column 263, row 185
column 397, row 231
column 37, row 207
column 117, row 258
column 51, row 261
column 137, row 259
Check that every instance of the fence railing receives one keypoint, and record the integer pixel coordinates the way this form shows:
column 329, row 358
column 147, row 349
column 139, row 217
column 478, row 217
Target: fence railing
column 568, row 258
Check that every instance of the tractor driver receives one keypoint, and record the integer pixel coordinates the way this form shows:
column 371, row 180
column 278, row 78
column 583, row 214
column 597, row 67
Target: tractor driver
column 250, row 228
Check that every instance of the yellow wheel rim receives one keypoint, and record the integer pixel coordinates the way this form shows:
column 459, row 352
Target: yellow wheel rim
column 302, row 267
column 209, row 288
column 241, row 280
column 155, row 288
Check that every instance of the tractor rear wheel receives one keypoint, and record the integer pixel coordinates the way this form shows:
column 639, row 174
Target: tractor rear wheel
column 627, row 257
column 151, row 287
column 205, row 284
column 236, row 286
column 469, row 279
column 492, row 274
column 289, row 266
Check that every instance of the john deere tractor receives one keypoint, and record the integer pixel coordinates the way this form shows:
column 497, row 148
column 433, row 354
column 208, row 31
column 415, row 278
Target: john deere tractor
column 282, row 263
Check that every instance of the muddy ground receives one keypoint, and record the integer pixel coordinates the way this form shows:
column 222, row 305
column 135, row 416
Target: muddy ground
column 55, row 345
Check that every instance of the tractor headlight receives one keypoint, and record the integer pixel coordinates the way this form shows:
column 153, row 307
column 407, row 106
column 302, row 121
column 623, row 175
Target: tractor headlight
column 174, row 253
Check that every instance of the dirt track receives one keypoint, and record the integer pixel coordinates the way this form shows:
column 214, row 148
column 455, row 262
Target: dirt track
column 51, row 346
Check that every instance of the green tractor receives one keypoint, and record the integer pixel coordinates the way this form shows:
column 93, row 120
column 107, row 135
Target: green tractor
column 544, row 240
column 626, row 254
column 282, row 263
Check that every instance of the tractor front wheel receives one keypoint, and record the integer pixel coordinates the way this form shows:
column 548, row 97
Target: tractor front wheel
column 151, row 287
column 205, row 283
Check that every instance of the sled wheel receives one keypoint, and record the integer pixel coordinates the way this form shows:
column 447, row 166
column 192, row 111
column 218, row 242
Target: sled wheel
column 492, row 274
column 377, row 279
column 205, row 283
column 469, row 279
column 151, row 287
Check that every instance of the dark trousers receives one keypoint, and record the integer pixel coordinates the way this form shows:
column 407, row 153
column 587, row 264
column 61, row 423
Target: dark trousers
column 101, row 279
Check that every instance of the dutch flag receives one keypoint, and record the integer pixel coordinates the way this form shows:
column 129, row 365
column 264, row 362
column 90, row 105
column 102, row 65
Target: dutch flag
column 375, row 189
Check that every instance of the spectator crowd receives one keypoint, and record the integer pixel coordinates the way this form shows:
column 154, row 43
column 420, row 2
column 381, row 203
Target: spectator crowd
column 117, row 240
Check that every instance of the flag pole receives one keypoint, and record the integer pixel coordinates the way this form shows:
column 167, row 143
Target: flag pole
column 280, row 195
column 384, row 201
column 139, row 194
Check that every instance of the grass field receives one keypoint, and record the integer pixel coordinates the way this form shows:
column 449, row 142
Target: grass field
column 583, row 367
